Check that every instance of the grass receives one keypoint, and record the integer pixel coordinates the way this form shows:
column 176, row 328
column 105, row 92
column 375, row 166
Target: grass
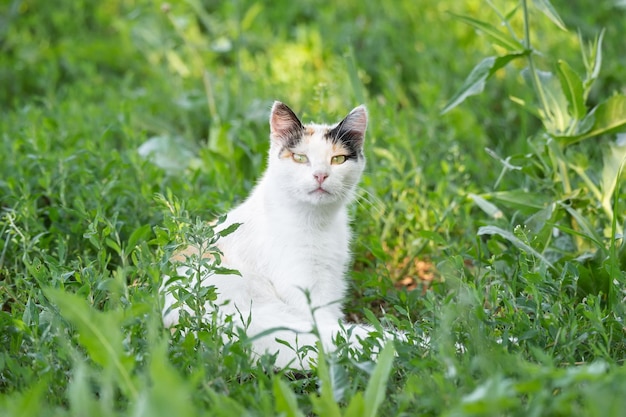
column 124, row 121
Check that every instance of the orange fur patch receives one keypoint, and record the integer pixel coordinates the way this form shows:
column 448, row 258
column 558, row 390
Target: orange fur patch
column 339, row 149
column 285, row 153
column 183, row 254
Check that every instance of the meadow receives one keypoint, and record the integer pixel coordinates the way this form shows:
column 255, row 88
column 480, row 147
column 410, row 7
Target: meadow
column 491, row 214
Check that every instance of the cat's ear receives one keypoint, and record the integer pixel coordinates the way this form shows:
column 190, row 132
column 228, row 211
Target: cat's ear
column 285, row 127
column 351, row 130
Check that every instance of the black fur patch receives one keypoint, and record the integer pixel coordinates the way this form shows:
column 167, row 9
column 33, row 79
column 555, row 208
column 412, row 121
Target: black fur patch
column 292, row 138
column 351, row 140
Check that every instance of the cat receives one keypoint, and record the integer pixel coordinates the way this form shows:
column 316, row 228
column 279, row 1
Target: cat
column 292, row 245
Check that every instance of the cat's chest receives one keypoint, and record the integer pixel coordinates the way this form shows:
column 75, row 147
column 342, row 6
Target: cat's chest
column 284, row 253
column 315, row 265
column 318, row 253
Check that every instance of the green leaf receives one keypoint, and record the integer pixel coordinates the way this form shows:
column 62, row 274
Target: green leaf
column 113, row 245
column 30, row 401
column 607, row 117
column 356, row 407
column 529, row 107
column 491, row 209
column 587, row 230
column 286, row 402
column 546, row 8
column 613, row 159
column 99, row 333
column 224, row 406
column 494, row 230
column 592, row 60
column 377, row 385
column 324, row 404
column 172, row 154
column 168, row 392
column 499, row 38
column 555, row 116
column 521, row 199
column 572, row 86
column 475, row 82
column 139, row 235
column 230, row 229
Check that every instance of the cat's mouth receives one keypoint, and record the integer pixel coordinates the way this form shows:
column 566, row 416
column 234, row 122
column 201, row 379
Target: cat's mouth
column 319, row 191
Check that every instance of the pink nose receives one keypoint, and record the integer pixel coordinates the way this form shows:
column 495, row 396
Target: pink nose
column 320, row 177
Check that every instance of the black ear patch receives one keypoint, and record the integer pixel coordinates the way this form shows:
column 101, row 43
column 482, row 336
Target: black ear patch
column 350, row 132
column 285, row 127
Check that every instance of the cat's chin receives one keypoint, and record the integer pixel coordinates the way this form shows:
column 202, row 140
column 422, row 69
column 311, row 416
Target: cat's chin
column 320, row 197
column 319, row 192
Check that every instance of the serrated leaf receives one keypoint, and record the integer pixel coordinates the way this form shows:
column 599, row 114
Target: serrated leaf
column 496, row 36
column 546, row 8
column 572, row 86
column 494, row 230
column 475, row 81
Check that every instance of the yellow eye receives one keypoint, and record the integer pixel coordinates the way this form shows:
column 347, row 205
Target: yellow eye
column 299, row 158
column 338, row 159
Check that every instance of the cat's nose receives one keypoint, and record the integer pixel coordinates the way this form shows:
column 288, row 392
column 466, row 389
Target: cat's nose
column 320, row 176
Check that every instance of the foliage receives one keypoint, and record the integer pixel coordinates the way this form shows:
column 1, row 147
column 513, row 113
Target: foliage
column 125, row 125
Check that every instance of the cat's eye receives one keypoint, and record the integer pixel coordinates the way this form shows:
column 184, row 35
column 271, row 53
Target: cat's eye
column 338, row 159
column 299, row 158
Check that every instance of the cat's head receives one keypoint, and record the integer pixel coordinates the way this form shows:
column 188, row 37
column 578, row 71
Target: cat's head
column 316, row 163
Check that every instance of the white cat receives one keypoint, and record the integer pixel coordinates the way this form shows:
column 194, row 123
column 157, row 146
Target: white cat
column 293, row 240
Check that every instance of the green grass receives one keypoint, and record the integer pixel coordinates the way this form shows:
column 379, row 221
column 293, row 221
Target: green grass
column 528, row 260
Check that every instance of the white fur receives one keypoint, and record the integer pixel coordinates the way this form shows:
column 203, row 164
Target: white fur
column 292, row 240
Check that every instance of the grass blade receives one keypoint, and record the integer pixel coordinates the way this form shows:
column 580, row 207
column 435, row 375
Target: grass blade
column 377, row 385
column 494, row 230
